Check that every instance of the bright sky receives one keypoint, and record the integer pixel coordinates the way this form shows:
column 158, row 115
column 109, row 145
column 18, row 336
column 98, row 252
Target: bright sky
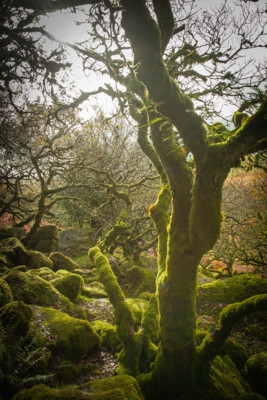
column 62, row 26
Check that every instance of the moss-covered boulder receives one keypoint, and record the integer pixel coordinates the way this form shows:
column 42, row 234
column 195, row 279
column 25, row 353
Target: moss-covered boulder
column 226, row 378
column 107, row 334
column 44, row 273
column 67, row 373
column 70, row 285
column 140, row 280
column 93, row 291
column 38, row 260
column 32, row 289
column 42, row 392
column 5, row 293
column 256, row 372
column 212, row 297
column 62, row 262
column 74, row 338
column 14, row 251
column 16, row 317
column 46, row 239
column 127, row 384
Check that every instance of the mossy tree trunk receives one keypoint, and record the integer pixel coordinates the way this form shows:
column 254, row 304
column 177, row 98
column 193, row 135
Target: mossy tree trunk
column 196, row 200
column 134, row 355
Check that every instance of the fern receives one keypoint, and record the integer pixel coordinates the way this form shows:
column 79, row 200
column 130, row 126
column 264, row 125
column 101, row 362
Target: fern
column 21, row 362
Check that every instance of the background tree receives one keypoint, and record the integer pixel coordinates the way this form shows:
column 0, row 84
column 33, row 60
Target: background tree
column 243, row 232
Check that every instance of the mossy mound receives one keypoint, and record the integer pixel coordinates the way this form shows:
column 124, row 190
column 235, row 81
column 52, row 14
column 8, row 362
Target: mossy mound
column 256, row 372
column 44, row 273
column 107, row 333
column 16, row 317
column 127, row 384
column 32, row 289
column 14, row 251
column 214, row 296
column 38, row 260
column 62, row 262
column 226, row 378
column 45, row 240
column 68, row 373
column 70, row 285
column 140, row 280
column 94, row 292
column 5, row 293
column 42, row 392
column 75, row 337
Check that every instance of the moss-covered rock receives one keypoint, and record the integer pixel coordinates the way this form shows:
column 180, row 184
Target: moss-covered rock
column 62, row 262
column 14, row 251
column 226, row 378
column 93, row 292
column 42, row 392
column 214, row 296
column 44, row 273
column 32, row 289
column 256, row 372
column 5, row 293
column 67, row 374
column 140, row 280
column 126, row 383
column 75, row 338
column 16, row 317
column 46, row 239
column 107, row 333
column 236, row 352
column 70, row 285
column 38, row 260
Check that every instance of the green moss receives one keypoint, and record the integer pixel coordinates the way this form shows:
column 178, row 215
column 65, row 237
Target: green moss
column 62, row 262
column 6, row 232
column 14, row 250
column 46, row 239
column 44, row 273
column 38, row 260
column 68, row 373
column 16, row 317
column 5, row 293
column 74, row 337
column 226, row 378
column 221, row 292
column 124, row 319
column 140, row 280
column 34, row 290
column 42, row 392
column 70, row 285
column 256, row 372
column 236, row 352
column 93, row 292
column 107, row 333
column 239, row 118
column 126, row 383
column 137, row 307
